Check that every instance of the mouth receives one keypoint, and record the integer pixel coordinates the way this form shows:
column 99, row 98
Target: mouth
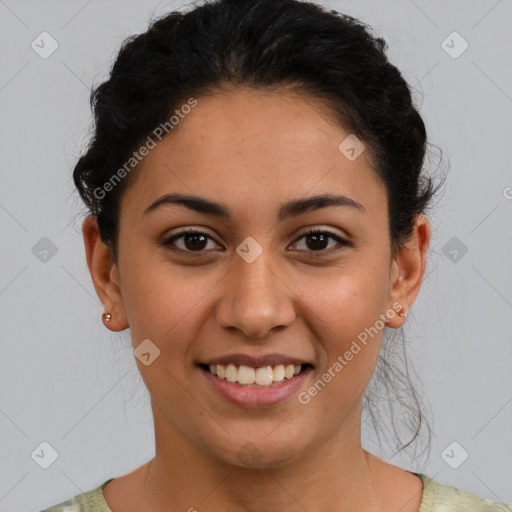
column 256, row 387
column 256, row 377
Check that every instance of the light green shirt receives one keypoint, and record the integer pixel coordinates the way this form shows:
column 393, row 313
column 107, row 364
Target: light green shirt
column 436, row 498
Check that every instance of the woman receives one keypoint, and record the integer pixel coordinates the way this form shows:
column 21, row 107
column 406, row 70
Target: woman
column 257, row 218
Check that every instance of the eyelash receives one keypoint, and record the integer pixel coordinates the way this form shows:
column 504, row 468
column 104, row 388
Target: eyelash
column 169, row 241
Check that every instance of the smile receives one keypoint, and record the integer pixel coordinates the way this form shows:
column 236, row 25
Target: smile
column 240, row 385
column 255, row 377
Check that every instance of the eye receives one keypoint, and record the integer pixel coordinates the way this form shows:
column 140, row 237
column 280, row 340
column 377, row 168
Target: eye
column 196, row 241
column 193, row 241
column 319, row 238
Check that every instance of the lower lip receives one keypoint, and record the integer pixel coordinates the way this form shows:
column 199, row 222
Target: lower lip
column 255, row 398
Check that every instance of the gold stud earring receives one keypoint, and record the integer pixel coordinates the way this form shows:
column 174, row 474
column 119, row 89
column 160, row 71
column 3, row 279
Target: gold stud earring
column 107, row 317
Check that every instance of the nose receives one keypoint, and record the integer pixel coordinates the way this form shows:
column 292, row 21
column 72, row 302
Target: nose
column 256, row 298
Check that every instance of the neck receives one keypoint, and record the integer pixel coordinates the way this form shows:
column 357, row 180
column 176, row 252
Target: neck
column 335, row 474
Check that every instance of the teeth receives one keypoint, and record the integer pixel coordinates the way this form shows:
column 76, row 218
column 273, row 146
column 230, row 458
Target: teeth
column 264, row 376
column 246, row 375
column 231, row 373
column 278, row 373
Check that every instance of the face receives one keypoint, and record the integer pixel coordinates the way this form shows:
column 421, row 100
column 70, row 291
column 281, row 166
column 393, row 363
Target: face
column 253, row 282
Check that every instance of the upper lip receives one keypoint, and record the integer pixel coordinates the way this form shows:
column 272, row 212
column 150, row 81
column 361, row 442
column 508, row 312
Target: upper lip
column 256, row 361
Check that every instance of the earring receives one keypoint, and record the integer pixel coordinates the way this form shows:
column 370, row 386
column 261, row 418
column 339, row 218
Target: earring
column 403, row 312
column 107, row 317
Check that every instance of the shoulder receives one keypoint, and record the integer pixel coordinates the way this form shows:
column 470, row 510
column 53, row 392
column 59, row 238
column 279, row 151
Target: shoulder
column 445, row 498
column 90, row 501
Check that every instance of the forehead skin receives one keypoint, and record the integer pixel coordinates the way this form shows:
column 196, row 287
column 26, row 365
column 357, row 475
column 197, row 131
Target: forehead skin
column 253, row 150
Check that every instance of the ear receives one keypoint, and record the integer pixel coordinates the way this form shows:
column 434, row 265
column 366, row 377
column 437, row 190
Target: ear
column 407, row 270
column 104, row 273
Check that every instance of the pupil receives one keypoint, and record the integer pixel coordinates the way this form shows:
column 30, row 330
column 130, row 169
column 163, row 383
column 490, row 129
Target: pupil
column 195, row 236
column 316, row 240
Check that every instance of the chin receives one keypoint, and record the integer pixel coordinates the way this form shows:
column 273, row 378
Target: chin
column 258, row 452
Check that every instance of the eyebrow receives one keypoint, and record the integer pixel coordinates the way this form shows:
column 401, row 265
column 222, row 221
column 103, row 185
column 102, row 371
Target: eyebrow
column 289, row 209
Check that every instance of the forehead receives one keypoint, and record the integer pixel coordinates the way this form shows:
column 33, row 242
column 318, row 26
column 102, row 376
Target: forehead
column 252, row 147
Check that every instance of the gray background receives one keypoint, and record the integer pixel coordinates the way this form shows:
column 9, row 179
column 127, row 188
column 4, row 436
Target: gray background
column 68, row 381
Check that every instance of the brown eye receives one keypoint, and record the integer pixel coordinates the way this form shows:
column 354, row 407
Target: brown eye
column 193, row 241
column 317, row 240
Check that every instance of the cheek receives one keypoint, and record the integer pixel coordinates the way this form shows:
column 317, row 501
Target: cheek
column 166, row 302
column 165, row 307
column 344, row 307
column 346, row 299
